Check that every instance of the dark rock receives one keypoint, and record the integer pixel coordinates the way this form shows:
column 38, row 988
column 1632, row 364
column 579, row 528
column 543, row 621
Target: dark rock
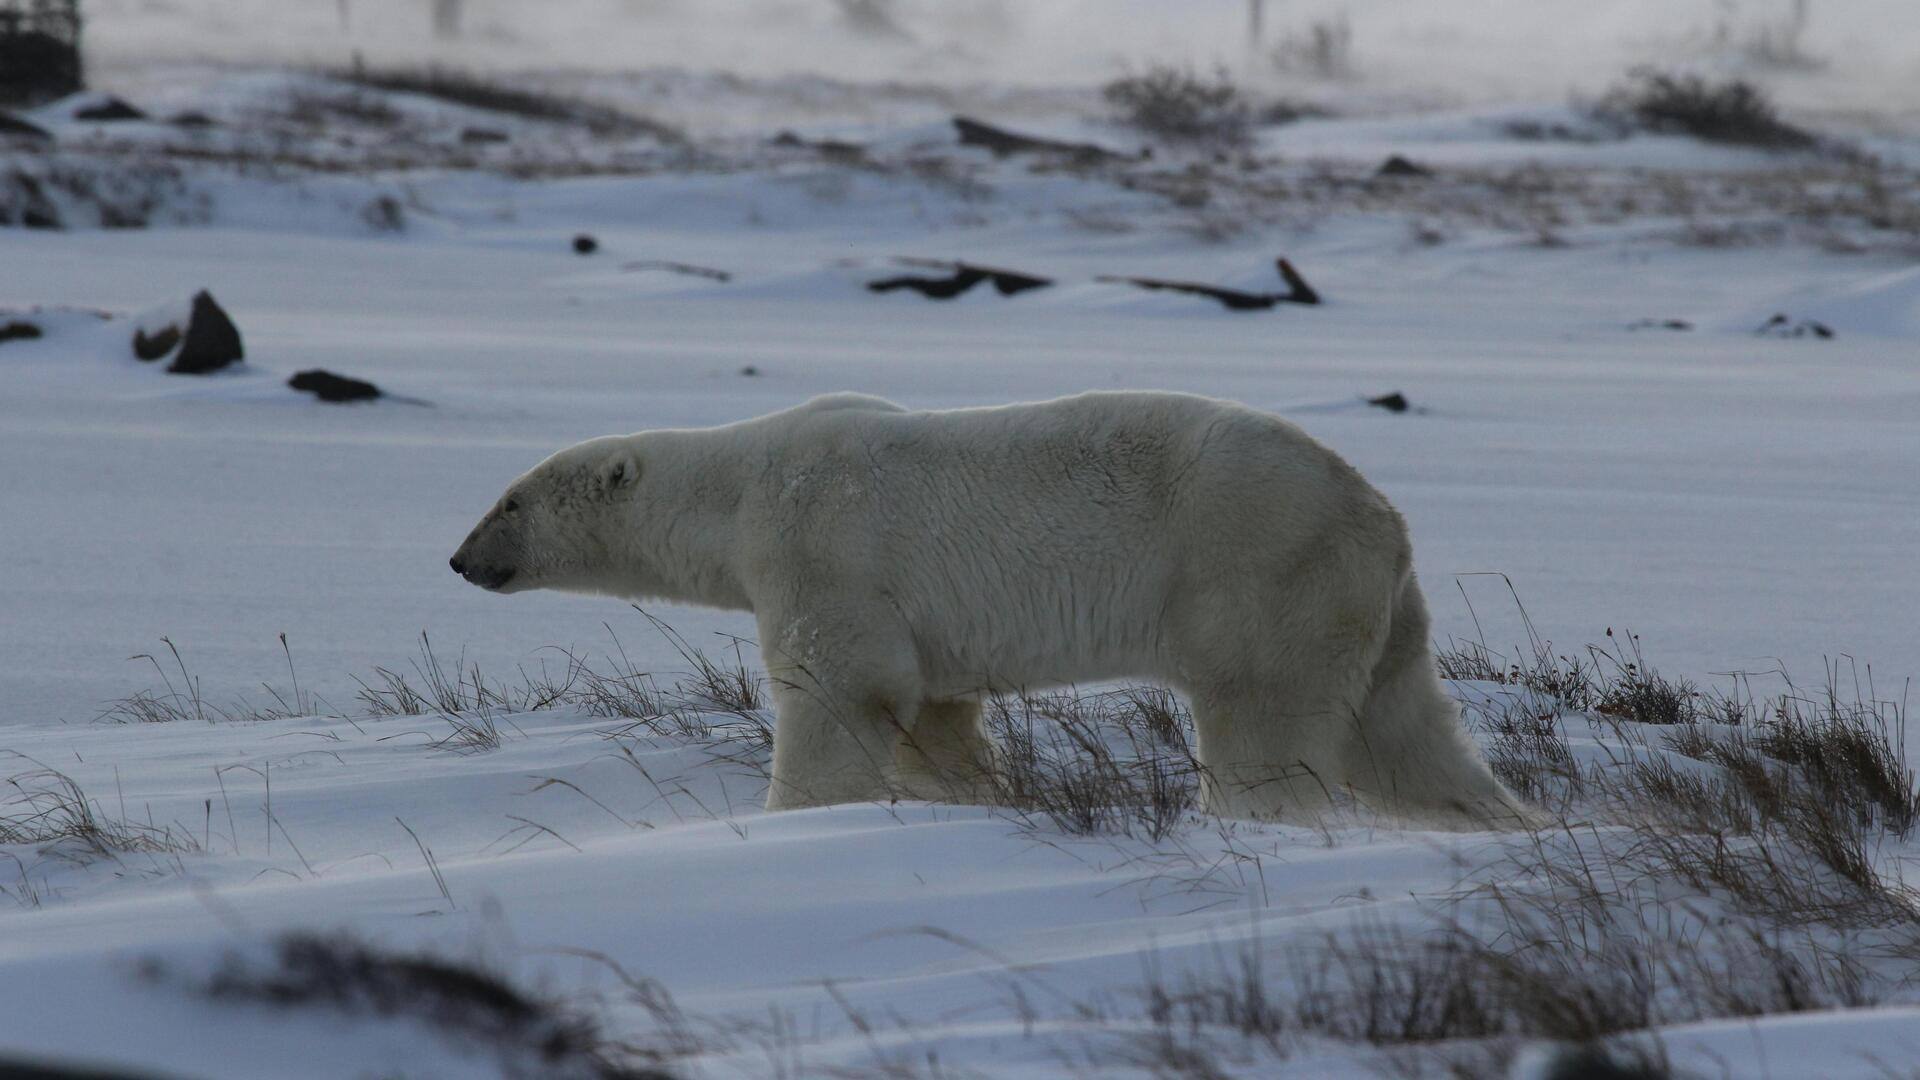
column 327, row 386
column 41, row 217
column 933, row 288
column 13, row 125
column 964, row 276
column 158, row 344
column 108, row 108
column 1003, row 142
column 1783, row 326
column 479, row 136
column 1399, row 166
column 585, row 244
column 192, row 118
column 1590, row 1063
column 17, row 330
column 1660, row 324
column 750, row 371
column 1395, row 402
column 211, row 341
column 1298, row 291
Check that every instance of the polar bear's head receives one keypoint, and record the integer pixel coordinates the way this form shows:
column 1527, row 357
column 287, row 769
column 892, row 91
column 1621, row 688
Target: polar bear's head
column 555, row 527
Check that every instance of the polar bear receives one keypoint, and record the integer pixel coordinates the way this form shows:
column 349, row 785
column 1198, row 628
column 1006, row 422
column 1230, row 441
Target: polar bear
column 902, row 564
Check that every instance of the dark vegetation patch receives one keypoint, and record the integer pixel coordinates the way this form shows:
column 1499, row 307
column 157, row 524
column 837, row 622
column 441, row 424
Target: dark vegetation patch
column 462, row 1001
column 40, row 50
column 52, row 192
column 324, row 110
column 493, row 95
column 1732, row 111
column 1178, row 105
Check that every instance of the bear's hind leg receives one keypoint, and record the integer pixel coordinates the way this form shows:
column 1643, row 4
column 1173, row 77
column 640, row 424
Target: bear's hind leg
column 945, row 756
column 1277, row 679
column 1412, row 756
column 1266, row 753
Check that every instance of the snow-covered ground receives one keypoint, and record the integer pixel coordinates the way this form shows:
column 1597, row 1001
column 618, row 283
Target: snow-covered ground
column 1741, row 501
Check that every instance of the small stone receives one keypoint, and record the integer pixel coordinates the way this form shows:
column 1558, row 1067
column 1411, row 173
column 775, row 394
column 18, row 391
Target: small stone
column 108, row 108
column 327, row 386
column 585, row 244
column 13, row 125
column 1400, row 166
column 156, row 345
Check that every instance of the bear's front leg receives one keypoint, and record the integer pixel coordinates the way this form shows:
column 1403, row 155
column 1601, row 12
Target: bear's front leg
column 844, row 690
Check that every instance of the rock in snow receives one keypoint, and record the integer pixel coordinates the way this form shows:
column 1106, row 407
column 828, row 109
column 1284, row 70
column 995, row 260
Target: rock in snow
column 327, row 386
column 16, row 329
column 209, row 341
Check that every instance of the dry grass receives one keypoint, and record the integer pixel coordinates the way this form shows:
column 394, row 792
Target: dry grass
column 1177, row 105
column 47, row 808
column 1709, row 856
column 1107, row 763
column 1733, row 111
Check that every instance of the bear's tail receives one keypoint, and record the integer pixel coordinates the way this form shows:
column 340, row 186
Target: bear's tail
column 1412, row 755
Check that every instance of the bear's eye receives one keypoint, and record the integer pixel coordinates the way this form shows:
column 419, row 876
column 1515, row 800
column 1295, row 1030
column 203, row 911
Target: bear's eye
column 512, row 505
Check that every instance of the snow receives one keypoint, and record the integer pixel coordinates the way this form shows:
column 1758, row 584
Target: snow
column 1742, row 502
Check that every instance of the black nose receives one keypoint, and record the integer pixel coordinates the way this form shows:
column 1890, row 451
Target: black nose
column 458, row 566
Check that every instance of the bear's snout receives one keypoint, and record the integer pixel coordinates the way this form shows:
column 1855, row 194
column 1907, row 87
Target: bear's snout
column 475, row 570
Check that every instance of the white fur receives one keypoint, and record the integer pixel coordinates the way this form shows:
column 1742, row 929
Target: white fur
column 901, row 563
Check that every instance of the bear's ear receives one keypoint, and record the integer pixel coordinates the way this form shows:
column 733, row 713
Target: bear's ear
column 615, row 473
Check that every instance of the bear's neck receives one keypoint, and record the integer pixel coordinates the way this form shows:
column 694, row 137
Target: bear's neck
column 688, row 555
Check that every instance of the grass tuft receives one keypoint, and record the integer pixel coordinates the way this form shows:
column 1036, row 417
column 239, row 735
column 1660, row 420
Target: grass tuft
column 1732, row 111
column 1179, row 106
